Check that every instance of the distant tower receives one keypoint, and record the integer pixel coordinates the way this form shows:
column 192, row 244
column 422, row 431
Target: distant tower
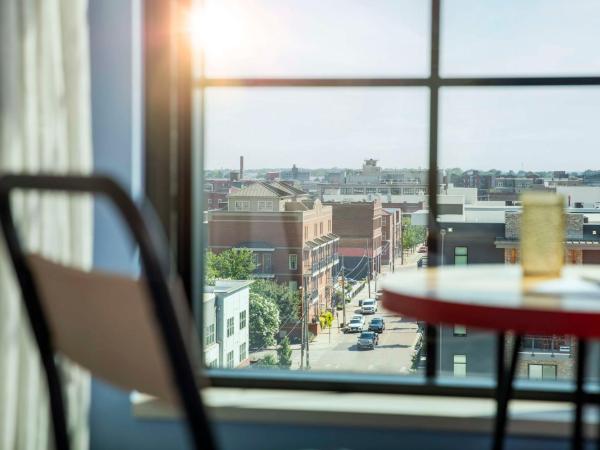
column 241, row 167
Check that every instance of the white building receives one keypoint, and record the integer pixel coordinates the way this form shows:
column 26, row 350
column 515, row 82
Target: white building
column 226, row 323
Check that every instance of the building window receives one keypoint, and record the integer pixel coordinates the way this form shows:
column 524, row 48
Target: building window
column 209, row 334
column 243, row 319
column 230, row 359
column 214, row 364
column 293, row 262
column 541, row 371
column 265, row 205
column 460, row 365
column 329, row 226
column 460, row 256
column 230, row 326
column 267, row 263
column 315, row 230
column 256, row 260
column 243, row 353
column 306, row 232
column 321, row 228
column 241, row 205
column 460, row 330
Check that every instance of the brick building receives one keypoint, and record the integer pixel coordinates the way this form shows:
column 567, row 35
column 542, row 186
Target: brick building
column 358, row 224
column 290, row 235
column 391, row 236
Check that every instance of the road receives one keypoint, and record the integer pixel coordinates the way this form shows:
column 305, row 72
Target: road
column 338, row 351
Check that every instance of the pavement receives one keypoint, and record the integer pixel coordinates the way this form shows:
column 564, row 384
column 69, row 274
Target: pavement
column 337, row 351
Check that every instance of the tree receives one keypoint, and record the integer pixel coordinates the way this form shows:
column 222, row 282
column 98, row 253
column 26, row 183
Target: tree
column 287, row 299
column 412, row 235
column 264, row 321
column 210, row 272
column 232, row 264
column 284, row 354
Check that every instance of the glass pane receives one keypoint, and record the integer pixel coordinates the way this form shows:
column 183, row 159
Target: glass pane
column 495, row 144
column 535, row 371
column 314, row 260
column 515, row 37
column 548, row 371
column 313, row 38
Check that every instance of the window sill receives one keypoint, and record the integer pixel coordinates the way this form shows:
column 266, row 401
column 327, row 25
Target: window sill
column 528, row 418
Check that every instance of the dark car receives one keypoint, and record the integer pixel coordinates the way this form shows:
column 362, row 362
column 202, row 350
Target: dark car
column 377, row 325
column 368, row 339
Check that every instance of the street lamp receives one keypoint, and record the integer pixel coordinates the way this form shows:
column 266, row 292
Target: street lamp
column 443, row 233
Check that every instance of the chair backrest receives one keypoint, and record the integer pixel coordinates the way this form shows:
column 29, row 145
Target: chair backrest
column 104, row 323
column 51, row 291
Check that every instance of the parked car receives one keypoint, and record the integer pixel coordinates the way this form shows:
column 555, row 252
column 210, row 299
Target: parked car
column 369, row 306
column 356, row 325
column 377, row 325
column 368, row 339
column 422, row 249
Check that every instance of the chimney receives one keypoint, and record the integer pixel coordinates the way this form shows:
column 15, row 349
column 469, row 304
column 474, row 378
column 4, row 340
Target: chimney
column 241, row 167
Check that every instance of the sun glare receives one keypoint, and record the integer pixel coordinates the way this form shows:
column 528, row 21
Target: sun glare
column 215, row 28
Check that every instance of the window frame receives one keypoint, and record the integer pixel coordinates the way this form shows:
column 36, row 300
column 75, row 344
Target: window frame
column 293, row 257
column 230, row 326
column 174, row 173
column 243, row 319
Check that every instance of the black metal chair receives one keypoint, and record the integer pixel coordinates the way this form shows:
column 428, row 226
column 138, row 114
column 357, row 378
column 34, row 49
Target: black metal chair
column 164, row 342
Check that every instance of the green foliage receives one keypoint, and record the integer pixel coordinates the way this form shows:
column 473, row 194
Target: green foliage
column 264, row 321
column 413, row 235
column 232, row 264
column 284, row 354
column 210, row 272
column 287, row 300
column 267, row 361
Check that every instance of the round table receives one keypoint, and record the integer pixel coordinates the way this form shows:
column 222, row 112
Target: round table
column 497, row 297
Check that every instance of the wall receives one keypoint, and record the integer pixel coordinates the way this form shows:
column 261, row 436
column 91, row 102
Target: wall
column 117, row 132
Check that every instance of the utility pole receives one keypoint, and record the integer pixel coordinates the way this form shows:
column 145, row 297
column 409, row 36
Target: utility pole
column 306, row 336
column 370, row 273
column 303, row 294
column 343, row 291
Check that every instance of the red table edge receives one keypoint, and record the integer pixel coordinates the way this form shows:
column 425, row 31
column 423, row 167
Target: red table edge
column 522, row 320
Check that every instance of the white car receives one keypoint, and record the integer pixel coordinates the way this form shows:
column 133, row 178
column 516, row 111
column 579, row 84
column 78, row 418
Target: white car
column 356, row 325
column 369, row 306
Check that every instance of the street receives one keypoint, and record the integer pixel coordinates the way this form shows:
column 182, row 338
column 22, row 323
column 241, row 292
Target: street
column 338, row 351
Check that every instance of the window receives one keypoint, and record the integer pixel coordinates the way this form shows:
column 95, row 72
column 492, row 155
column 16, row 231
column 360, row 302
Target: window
column 293, row 262
column 256, row 259
column 209, row 334
column 267, row 263
column 243, row 319
column 241, row 205
column 460, row 365
column 265, row 205
column 460, row 330
column 541, row 371
column 243, row 352
column 214, row 364
column 230, row 359
column 479, row 122
column 460, row 256
column 230, row 327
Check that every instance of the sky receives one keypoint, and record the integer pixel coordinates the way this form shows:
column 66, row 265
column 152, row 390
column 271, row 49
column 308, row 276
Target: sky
column 502, row 128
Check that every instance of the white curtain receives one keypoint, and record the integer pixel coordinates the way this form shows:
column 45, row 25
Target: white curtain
column 44, row 126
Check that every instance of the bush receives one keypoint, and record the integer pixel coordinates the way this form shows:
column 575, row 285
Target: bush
column 284, row 354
